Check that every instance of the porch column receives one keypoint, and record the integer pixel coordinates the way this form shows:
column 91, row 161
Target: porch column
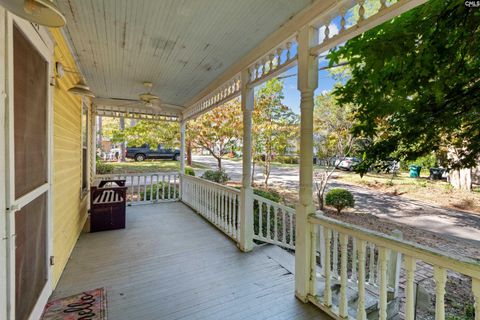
column 246, row 196
column 183, row 125
column 93, row 145
column 182, row 154
column 305, row 233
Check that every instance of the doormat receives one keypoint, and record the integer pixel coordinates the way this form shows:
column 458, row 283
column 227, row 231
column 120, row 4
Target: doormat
column 88, row 305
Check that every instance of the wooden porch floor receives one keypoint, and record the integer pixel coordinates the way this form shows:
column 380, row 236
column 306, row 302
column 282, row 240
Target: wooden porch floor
column 169, row 263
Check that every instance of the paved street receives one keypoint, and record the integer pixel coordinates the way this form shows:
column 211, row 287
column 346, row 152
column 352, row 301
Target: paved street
column 447, row 222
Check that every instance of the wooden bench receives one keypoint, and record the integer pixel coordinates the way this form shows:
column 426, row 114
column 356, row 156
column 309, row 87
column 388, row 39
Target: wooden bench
column 107, row 205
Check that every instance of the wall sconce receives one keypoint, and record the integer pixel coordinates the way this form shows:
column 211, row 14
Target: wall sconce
column 80, row 88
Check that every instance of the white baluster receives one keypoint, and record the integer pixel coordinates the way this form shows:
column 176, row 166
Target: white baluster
column 335, row 254
column 270, row 62
column 257, row 66
column 284, row 228
column 151, row 188
column 361, row 314
column 440, row 275
column 275, row 225
column 354, row 259
column 292, row 243
column 269, row 232
column 327, row 32
column 343, row 310
column 343, row 21
column 327, row 293
column 289, row 46
column 279, row 56
column 361, row 10
column 410, row 265
column 371, row 269
column 382, row 262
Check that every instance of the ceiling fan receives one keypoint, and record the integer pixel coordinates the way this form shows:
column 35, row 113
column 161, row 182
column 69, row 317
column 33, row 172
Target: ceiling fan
column 146, row 99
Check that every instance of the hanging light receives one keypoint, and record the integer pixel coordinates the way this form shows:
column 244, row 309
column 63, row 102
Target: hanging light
column 82, row 89
column 43, row 12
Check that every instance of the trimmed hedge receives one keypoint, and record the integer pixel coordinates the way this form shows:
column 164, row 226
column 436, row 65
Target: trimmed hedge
column 339, row 199
column 189, row 171
column 218, row 176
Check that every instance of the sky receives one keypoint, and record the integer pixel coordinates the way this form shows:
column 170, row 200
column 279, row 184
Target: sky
column 325, row 80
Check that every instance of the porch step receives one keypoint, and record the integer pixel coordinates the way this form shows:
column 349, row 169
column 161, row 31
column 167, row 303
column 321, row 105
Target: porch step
column 371, row 300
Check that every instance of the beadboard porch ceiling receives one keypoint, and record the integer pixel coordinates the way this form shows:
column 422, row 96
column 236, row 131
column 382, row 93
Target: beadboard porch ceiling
column 179, row 45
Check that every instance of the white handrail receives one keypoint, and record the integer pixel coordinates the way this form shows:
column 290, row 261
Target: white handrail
column 143, row 188
column 373, row 256
column 273, row 223
column 217, row 203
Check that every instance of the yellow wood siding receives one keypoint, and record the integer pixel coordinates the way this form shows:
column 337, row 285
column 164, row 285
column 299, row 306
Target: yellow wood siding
column 69, row 207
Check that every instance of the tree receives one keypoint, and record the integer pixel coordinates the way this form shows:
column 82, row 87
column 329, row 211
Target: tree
column 415, row 84
column 333, row 138
column 274, row 126
column 151, row 132
column 217, row 131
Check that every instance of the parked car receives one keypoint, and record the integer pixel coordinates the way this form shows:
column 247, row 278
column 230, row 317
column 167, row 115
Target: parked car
column 347, row 163
column 146, row 152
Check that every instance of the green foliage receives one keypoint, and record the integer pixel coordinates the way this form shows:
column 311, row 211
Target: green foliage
column 427, row 162
column 218, row 176
column 414, row 84
column 268, row 194
column 339, row 199
column 275, row 125
column 218, row 130
column 332, row 127
column 189, row 171
column 287, row 159
column 164, row 192
column 150, row 132
column 104, row 168
column 468, row 313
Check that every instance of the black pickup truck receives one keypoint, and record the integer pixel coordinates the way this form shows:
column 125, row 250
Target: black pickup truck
column 146, row 152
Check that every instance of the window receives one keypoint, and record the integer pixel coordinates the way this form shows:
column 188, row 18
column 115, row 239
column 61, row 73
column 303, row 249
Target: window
column 84, row 148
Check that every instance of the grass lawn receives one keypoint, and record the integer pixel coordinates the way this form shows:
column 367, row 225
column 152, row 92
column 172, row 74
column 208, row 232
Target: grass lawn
column 438, row 192
column 150, row 166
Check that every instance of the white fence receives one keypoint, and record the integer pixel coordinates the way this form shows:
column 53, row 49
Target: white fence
column 217, row 203
column 148, row 187
column 366, row 259
column 273, row 223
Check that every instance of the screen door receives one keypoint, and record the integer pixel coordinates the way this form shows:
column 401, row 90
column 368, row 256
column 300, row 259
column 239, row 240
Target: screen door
column 28, row 187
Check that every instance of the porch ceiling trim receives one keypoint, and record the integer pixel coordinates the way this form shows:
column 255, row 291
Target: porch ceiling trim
column 264, row 62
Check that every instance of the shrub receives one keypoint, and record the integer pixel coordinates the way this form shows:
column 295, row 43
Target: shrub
column 104, row 168
column 189, row 171
column 287, row 159
column 339, row 199
column 163, row 192
column 218, row 176
column 268, row 194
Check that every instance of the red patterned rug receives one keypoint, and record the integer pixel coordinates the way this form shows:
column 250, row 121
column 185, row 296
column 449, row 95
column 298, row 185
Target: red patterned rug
column 88, row 305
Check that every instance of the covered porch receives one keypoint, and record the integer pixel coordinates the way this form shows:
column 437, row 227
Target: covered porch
column 169, row 263
column 194, row 249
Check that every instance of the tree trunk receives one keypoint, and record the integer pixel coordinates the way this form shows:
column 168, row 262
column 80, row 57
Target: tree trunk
column 461, row 179
column 189, row 153
column 121, row 157
column 219, row 162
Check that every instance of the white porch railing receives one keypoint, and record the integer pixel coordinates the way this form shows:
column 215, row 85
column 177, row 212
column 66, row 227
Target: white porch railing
column 366, row 257
column 217, row 203
column 148, row 187
column 273, row 223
